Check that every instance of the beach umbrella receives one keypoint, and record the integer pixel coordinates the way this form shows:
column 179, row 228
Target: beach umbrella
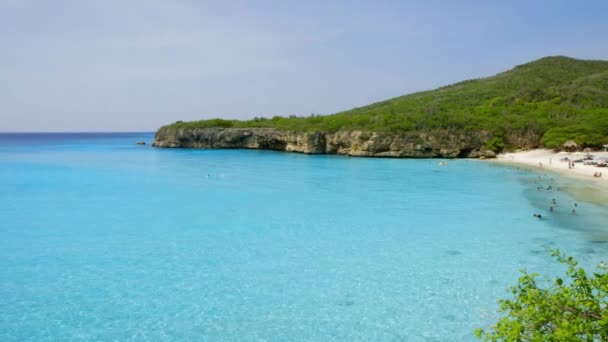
column 570, row 145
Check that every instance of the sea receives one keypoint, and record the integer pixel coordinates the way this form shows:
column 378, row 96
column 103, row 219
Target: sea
column 105, row 240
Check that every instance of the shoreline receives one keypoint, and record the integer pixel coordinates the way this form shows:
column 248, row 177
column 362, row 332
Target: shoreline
column 542, row 160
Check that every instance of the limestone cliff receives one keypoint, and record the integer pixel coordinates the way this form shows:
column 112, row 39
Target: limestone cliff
column 436, row 144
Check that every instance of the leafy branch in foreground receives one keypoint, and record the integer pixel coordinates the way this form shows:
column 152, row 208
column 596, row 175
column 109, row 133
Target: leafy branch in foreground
column 572, row 309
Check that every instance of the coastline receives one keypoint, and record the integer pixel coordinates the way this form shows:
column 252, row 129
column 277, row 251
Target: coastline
column 429, row 144
column 584, row 184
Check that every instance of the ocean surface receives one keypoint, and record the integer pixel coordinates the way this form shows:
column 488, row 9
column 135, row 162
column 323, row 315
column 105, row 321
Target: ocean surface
column 105, row 240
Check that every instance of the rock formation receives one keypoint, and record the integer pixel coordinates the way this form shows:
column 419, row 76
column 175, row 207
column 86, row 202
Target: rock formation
column 436, row 144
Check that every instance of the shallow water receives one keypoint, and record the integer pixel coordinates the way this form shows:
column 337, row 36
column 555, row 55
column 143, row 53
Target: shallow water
column 106, row 240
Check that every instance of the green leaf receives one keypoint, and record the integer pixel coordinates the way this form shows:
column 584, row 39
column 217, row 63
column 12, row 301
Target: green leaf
column 575, row 309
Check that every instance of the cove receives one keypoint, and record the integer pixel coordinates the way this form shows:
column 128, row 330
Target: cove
column 103, row 239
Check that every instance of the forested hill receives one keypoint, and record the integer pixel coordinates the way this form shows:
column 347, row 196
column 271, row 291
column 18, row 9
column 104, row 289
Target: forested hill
column 553, row 98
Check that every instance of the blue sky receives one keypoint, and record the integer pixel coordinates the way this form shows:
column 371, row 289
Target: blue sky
column 121, row 65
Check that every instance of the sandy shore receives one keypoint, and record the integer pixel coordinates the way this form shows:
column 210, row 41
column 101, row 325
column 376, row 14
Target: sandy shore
column 547, row 160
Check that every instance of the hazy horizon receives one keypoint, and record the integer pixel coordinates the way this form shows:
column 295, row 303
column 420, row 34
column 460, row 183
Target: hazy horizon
column 133, row 66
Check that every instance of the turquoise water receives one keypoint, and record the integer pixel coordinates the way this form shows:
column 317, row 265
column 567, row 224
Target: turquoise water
column 105, row 240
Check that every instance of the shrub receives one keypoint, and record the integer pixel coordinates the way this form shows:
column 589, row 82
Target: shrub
column 573, row 308
column 496, row 144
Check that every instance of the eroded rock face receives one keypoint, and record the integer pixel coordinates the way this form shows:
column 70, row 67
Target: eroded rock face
column 442, row 144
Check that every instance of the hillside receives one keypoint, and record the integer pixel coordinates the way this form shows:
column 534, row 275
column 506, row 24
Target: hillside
column 542, row 103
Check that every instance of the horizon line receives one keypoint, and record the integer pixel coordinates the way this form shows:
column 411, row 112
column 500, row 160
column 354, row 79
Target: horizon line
column 64, row 132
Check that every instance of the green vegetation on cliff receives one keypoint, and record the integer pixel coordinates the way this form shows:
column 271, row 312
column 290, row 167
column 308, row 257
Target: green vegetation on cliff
column 556, row 98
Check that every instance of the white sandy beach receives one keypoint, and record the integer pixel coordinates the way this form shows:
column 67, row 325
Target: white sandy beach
column 550, row 161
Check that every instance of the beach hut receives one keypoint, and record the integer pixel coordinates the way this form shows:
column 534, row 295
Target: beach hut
column 587, row 149
column 570, row 145
column 605, row 148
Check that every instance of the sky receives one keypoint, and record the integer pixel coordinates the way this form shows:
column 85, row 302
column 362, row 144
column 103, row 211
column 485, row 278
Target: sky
column 134, row 65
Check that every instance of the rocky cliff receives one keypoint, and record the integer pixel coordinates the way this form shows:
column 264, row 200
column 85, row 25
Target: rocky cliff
column 436, row 144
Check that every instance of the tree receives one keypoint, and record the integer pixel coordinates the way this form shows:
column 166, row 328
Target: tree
column 571, row 309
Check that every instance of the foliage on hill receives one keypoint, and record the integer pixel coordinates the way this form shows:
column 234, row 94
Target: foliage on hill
column 573, row 308
column 558, row 98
